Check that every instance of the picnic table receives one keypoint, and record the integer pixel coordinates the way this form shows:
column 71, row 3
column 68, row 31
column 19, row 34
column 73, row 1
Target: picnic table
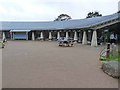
column 63, row 41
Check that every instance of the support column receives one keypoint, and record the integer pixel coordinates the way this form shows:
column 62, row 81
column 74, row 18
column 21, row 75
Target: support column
column 11, row 35
column 33, row 36
column 3, row 36
column 58, row 35
column 75, row 36
column 94, row 38
column 41, row 35
column 84, row 39
column 27, row 35
column 67, row 35
column 50, row 35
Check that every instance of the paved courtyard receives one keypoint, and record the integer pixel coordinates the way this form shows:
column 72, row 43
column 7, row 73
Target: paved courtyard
column 34, row 64
column 0, row 68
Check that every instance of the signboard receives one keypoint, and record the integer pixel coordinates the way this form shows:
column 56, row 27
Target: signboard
column 20, row 36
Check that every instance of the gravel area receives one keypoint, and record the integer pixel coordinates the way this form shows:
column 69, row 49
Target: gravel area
column 36, row 64
column 0, row 68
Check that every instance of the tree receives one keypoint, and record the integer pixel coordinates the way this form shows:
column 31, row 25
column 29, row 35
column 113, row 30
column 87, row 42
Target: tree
column 93, row 14
column 63, row 17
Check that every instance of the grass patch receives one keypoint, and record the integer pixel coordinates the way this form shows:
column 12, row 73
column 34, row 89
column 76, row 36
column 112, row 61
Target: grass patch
column 111, row 58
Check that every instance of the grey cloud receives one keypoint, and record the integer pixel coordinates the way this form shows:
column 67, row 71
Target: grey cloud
column 53, row 8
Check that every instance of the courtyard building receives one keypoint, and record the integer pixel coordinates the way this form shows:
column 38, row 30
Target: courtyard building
column 91, row 31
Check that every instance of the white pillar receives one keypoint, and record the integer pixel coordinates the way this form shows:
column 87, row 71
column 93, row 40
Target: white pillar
column 84, row 39
column 3, row 36
column 50, row 35
column 75, row 36
column 11, row 35
column 58, row 35
column 27, row 35
column 41, row 35
column 33, row 36
column 94, row 39
column 67, row 35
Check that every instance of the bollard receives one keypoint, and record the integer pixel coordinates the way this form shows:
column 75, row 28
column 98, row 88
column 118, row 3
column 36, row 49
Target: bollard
column 108, row 50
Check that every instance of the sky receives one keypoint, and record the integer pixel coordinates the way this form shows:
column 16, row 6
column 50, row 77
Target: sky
column 48, row 10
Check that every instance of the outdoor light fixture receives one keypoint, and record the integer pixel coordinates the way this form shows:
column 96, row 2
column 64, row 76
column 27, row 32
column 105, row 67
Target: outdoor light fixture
column 89, row 31
column 105, row 30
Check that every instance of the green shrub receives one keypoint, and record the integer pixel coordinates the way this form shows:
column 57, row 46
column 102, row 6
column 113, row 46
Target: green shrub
column 111, row 58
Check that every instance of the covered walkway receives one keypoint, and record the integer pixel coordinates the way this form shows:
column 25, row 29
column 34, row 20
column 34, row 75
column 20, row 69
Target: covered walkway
column 86, row 30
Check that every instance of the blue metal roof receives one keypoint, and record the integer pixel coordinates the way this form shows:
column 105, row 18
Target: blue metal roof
column 58, row 25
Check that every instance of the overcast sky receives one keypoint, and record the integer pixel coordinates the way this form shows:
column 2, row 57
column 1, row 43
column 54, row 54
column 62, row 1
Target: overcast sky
column 48, row 10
